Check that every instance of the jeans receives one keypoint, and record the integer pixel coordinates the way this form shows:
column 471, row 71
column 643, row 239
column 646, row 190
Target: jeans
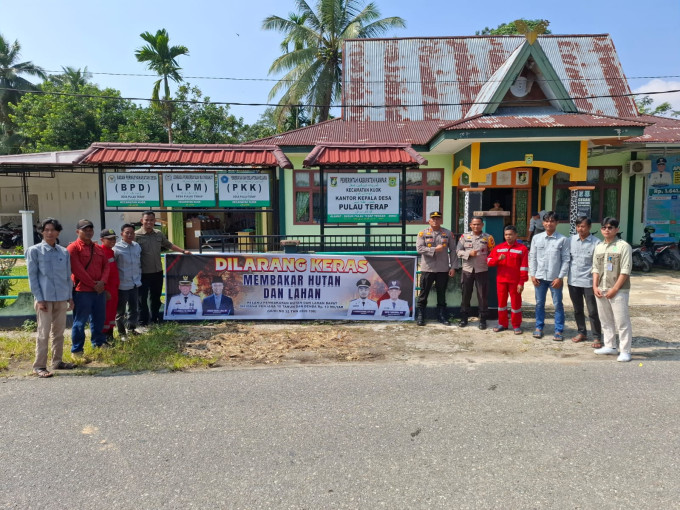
column 541, row 291
column 150, row 298
column 88, row 306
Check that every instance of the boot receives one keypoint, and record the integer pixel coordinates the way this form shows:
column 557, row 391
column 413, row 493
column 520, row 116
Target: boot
column 442, row 316
column 420, row 316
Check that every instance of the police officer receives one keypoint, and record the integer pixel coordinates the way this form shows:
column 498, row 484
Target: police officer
column 185, row 304
column 362, row 307
column 474, row 247
column 437, row 263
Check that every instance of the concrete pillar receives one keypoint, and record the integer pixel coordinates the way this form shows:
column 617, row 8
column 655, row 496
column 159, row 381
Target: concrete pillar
column 27, row 228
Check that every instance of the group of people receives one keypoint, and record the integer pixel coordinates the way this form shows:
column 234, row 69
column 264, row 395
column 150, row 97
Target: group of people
column 597, row 275
column 113, row 285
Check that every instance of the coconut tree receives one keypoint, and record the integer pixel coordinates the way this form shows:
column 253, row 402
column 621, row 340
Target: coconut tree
column 313, row 67
column 74, row 78
column 12, row 83
column 160, row 57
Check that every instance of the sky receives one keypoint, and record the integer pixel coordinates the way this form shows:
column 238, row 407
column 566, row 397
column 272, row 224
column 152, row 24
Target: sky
column 225, row 38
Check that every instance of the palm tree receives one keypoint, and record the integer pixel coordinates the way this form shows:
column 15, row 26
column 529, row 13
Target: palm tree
column 74, row 78
column 161, row 58
column 313, row 67
column 11, row 81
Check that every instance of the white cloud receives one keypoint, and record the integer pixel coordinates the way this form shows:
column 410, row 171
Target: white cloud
column 657, row 85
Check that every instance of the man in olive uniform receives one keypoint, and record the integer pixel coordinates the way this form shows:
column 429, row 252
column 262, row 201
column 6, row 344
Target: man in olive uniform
column 474, row 247
column 437, row 263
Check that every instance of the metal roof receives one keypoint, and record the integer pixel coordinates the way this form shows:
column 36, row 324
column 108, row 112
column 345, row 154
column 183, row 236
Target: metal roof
column 440, row 78
column 184, row 155
column 392, row 155
column 555, row 120
column 661, row 130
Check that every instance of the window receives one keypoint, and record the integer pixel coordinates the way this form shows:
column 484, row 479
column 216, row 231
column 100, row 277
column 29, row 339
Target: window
column 605, row 197
column 420, row 186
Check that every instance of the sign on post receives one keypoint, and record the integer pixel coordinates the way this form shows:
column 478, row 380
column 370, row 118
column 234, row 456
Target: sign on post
column 189, row 190
column 363, row 198
column 132, row 190
column 243, row 190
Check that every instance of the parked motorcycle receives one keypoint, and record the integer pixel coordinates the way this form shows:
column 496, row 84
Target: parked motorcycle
column 667, row 255
column 642, row 259
column 10, row 236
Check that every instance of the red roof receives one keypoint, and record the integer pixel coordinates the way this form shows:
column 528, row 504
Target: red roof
column 556, row 120
column 662, row 130
column 184, row 155
column 373, row 155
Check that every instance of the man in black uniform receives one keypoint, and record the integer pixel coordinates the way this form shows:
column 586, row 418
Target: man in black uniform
column 438, row 262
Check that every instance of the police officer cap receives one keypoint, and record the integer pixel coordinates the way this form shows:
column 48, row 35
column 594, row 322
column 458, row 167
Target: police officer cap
column 217, row 279
column 435, row 214
column 661, row 161
column 394, row 284
column 185, row 280
column 363, row 283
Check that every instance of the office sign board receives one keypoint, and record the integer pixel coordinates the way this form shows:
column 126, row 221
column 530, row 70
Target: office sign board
column 132, row 190
column 243, row 190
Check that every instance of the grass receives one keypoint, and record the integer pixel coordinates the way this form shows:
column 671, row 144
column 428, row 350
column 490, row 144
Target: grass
column 162, row 348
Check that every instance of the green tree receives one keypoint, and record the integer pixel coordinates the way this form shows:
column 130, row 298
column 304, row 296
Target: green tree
column 12, row 82
column 142, row 125
column 161, row 58
column 645, row 106
column 512, row 28
column 74, row 78
column 60, row 119
column 313, row 67
column 197, row 120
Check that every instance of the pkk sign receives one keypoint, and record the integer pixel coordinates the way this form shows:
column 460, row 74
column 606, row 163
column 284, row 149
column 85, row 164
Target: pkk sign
column 277, row 286
column 132, row 190
column 244, row 190
column 363, row 198
column 189, row 190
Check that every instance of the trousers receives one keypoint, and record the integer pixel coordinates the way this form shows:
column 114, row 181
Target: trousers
column 480, row 281
column 440, row 281
column 615, row 319
column 150, row 297
column 503, row 290
column 88, row 307
column 51, row 325
column 127, row 301
column 578, row 295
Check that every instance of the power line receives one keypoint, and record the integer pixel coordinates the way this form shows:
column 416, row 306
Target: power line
column 401, row 105
column 227, row 78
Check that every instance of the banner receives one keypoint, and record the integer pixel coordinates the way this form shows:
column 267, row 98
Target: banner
column 189, row 190
column 363, row 198
column 243, row 190
column 132, row 190
column 280, row 286
column 663, row 198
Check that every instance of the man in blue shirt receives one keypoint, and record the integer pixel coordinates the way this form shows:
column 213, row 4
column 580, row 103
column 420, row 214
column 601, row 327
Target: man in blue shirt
column 49, row 278
column 580, row 281
column 548, row 265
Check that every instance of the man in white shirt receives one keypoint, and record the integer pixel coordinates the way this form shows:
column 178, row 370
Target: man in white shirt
column 394, row 307
column 185, row 304
column 660, row 177
column 362, row 307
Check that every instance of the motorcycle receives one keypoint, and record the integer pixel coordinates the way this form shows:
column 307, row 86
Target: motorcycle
column 10, row 236
column 642, row 259
column 667, row 255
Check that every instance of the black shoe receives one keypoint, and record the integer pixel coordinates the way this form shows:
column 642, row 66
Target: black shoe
column 482, row 325
column 463, row 323
column 442, row 317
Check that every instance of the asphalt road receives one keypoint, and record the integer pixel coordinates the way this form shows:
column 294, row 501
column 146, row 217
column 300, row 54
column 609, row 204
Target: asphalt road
column 497, row 435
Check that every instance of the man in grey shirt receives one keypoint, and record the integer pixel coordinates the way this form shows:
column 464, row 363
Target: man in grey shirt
column 548, row 265
column 580, row 281
column 128, row 255
column 49, row 278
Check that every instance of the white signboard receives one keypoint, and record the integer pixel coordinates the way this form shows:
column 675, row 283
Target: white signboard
column 243, row 190
column 189, row 190
column 132, row 190
column 363, row 198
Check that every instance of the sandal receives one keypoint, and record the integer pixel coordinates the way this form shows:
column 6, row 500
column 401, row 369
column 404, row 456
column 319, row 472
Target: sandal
column 558, row 336
column 42, row 373
column 498, row 329
column 538, row 333
column 62, row 365
column 579, row 338
column 597, row 344
column 517, row 331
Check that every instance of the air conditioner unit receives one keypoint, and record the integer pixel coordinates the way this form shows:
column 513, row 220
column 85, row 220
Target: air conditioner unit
column 643, row 166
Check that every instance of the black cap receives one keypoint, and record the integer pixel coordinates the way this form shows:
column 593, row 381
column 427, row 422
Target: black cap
column 661, row 161
column 435, row 214
column 84, row 224
column 185, row 280
column 108, row 233
column 217, row 279
column 363, row 283
column 394, row 284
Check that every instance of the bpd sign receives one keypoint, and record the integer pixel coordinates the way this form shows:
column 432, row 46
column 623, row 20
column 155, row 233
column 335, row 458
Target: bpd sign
column 132, row 190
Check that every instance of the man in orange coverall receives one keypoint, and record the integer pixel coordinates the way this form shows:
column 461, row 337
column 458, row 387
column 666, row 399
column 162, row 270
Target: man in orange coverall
column 512, row 260
column 108, row 238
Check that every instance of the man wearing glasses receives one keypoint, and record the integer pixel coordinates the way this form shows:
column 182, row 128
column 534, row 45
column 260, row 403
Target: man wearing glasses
column 612, row 264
